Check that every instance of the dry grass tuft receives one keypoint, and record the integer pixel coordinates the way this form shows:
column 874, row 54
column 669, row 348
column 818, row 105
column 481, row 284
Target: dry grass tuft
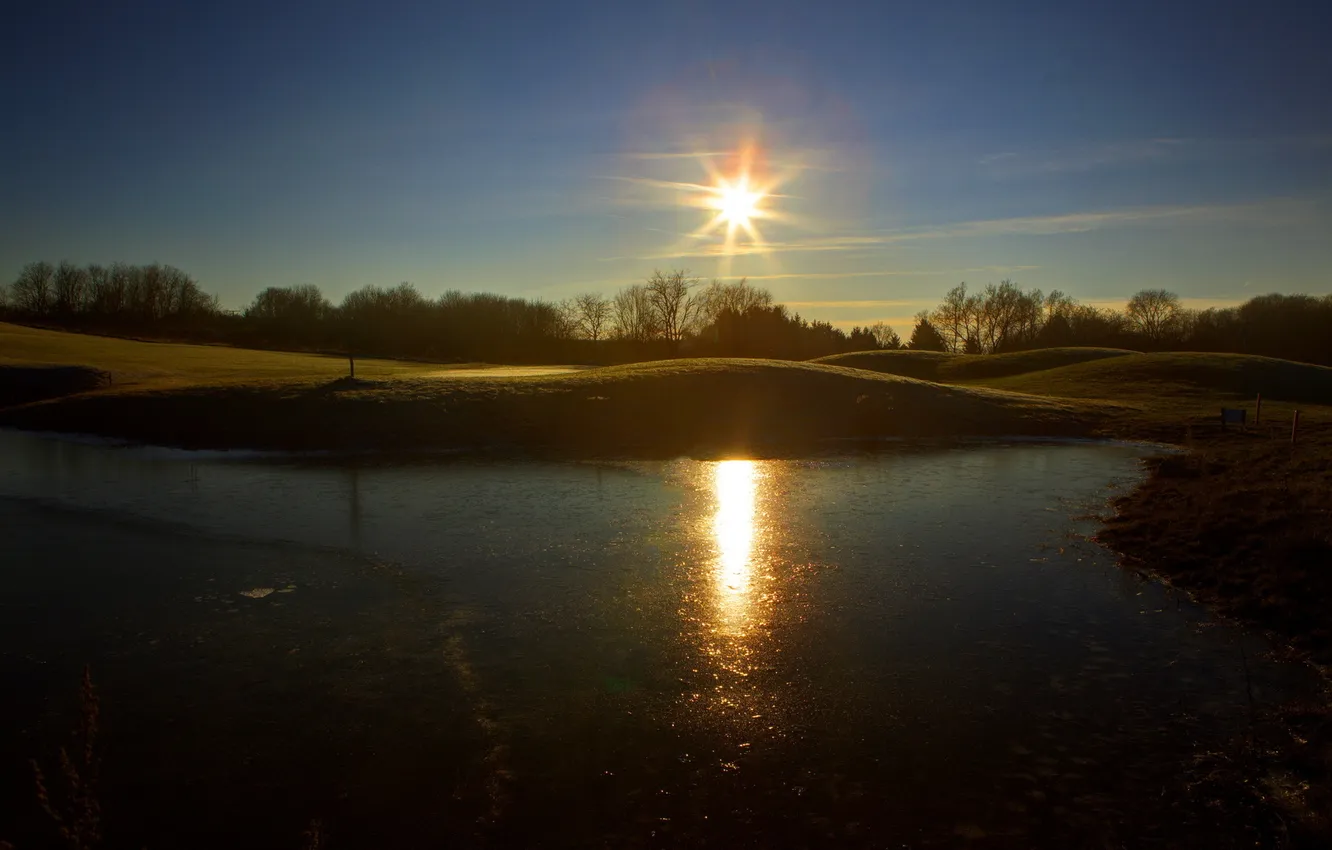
column 77, row 815
column 313, row 838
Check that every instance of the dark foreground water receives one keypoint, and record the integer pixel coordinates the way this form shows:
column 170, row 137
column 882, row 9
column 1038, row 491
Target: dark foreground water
column 915, row 648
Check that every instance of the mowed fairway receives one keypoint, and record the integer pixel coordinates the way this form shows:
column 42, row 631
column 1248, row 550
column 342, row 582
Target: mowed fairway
column 133, row 364
column 1168, row 395
column 1153, row 395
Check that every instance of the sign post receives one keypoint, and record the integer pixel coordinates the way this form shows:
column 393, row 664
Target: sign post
column 1231, row 415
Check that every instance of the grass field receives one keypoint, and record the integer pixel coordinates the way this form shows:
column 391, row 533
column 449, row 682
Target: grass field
column 1178, row 375
column 197, row 394
column 160, row 365
column 1162, row 396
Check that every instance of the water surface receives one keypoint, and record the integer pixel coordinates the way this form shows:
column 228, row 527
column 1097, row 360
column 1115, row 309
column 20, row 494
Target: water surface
column 917, row 647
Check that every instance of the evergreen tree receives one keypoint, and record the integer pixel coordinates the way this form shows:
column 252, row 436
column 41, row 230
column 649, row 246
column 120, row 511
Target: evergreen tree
column 924, row 337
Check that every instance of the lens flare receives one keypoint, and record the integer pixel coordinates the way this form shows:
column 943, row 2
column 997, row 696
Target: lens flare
column 736, row 204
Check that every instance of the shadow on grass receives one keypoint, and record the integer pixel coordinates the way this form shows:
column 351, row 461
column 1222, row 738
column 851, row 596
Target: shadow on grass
column 24, row 384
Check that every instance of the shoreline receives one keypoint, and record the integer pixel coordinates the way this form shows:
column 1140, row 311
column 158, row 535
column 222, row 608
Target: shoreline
column 1241, row 523
column 823, row 447
column 1235, row 513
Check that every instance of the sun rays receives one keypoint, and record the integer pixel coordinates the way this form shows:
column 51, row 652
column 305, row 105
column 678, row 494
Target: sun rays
column 736, row 194
column 736, row 204
column 738, row 198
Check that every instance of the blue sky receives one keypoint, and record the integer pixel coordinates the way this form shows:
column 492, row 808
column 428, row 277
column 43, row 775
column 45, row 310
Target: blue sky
column 544, row 149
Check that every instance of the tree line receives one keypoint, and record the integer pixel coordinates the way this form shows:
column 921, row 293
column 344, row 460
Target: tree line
column 1005, row 317
column 669, row 314
column 146, row 293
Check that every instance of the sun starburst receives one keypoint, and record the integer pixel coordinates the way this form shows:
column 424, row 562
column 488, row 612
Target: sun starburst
column 739, row 194
column 738, row 198
column 735, row 203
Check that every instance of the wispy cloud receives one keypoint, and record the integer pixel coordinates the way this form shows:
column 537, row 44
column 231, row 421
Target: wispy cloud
column 795, row 159
column 651, row 182
column 867, row 304
column 1190, row 303
column 659, row 155
column 717, row 250
column 1275, row 211
column 901, row 324
column 995, row 269
column 1012, row 164
column 879, row 273
column 1009, row 164
column 1271, row 212
column 1083, row 222
column 830, row 275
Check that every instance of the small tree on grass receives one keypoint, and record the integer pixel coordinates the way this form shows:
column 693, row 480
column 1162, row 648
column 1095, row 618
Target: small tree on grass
column 351, row 331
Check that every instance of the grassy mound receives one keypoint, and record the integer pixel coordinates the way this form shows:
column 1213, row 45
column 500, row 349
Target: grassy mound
column 656, row 408
column 1181, row 375
column 973, row 367
column 939, row 366
column 134, row 363
column 910, row 364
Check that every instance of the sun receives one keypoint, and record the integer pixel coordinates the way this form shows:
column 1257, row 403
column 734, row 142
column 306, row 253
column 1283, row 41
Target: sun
column 739, row 194
column 735, row 203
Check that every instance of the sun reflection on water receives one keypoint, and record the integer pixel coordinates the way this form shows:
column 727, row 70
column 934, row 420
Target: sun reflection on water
column 733, row 609
column 736, row 484
column 740, row 591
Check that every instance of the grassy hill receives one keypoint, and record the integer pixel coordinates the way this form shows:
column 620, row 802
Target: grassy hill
column 218, row 396
column 911, row 364
column 1158, row 396
column 941, row 366
column 133, row 363
column 665, row 407
column 1180, row 374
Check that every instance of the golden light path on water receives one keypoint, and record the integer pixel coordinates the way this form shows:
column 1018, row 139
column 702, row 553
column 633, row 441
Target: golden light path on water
column 736, row 483
column 741, row 590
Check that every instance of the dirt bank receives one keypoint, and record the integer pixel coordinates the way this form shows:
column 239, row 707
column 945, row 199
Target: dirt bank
column 1243, row 522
